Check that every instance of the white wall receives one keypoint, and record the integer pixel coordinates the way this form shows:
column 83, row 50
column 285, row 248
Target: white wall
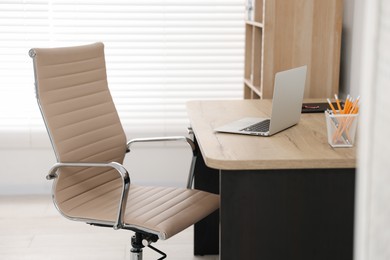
column 350, row 47
column 365, row 71
column 23, row 170
column 25, row 161
column 372, row 240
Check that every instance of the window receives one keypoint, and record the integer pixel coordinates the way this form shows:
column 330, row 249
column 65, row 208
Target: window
column 159, row 55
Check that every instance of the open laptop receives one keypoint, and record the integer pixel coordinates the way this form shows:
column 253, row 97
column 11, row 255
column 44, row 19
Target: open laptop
column 286, row 107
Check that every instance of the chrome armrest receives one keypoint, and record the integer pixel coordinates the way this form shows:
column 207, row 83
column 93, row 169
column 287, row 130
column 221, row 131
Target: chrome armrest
column 117, row 166
column 162, row 139
column 170, row 139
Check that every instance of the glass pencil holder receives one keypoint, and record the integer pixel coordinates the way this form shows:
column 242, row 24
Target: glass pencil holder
column 341, row 129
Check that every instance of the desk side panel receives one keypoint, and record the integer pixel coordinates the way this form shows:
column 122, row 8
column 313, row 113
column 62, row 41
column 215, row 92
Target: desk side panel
column 287, row 214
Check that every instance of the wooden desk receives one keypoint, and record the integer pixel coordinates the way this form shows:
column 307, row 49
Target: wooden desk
column 289, row 196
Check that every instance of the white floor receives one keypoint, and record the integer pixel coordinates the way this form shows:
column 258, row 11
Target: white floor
column 31, row 228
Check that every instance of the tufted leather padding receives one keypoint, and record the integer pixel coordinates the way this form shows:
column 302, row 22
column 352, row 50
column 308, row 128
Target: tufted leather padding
column 84, row 126
column 81, row 117
column 158, row 210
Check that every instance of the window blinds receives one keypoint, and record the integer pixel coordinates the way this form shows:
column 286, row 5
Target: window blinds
column 159, row 54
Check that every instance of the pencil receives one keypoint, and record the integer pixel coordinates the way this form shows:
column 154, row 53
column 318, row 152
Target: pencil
column 331, row 106
column 354, row 105
column 346, row 105
column 338, row 102
column 351, row 107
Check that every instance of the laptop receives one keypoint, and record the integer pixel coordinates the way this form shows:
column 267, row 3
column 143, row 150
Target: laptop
column 287, row 100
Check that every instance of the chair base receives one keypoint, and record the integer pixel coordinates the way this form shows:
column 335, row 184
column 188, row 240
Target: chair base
column 139, row 241
column 136, row 255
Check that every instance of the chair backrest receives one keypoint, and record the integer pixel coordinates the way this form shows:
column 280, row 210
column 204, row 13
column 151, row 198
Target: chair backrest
column 81, row 118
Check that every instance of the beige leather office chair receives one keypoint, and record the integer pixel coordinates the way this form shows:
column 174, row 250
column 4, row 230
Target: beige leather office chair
column 90, row 182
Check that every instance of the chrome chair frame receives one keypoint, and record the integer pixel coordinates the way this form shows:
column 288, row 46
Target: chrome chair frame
column 141, row 238
column 172, row 139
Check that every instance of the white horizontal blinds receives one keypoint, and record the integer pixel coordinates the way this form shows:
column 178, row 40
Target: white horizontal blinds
column 159, row 54
column 23, row 24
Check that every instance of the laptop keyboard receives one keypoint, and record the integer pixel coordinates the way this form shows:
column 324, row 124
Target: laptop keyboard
column 262, row 126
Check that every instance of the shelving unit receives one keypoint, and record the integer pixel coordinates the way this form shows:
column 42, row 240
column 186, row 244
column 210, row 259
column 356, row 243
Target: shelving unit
column 253, row 50
column 281, row 34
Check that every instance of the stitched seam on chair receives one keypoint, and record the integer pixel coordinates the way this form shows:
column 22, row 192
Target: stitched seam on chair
column 84, row 121
column 136, row 192
column 140, row 192
column 75, row 174
column 94, row 198
column 143, row 193
column 95, row 176
column 73, row 74
column 85, row 133
column 180, row 202
column 88, row 190
column 171, row 216
column 77, row 85
column 145, row 196
column 65, row 124
column 71, row 62
column 83, row 171
column 111, row 198
column 112, row 206
column 76, row 98
column 159, row 206
column 87, row 159
column 161, row 222
column 83, row 108
column 90, row 145
column 142, row 201
column 112, row 193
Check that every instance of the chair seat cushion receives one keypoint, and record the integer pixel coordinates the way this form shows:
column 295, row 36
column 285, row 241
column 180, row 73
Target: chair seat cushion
column 163, row 211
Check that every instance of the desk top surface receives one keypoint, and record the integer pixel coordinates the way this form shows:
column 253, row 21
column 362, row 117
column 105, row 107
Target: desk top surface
column 302, row 146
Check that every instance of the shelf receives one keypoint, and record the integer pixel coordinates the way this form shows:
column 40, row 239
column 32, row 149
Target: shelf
column 256, row 24
column 280, row 35
column 255, row 89
column 254, row 11
column 258, row 10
